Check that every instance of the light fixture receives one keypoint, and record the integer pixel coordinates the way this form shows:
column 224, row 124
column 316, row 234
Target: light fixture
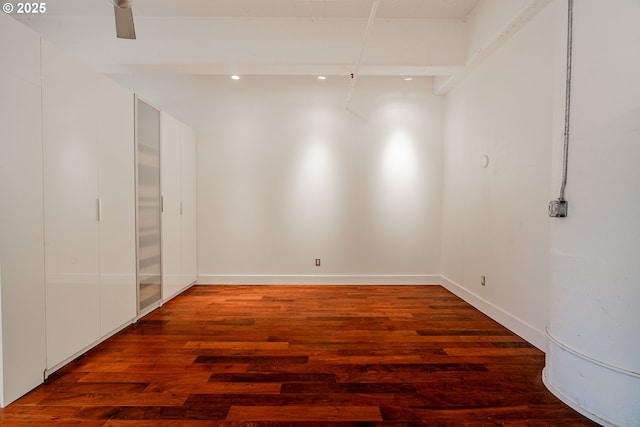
column 235, row 77
column 408, row 78
column 322, row 77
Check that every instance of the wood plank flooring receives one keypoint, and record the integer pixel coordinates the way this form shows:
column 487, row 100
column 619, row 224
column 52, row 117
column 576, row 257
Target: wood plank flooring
column 303, row 356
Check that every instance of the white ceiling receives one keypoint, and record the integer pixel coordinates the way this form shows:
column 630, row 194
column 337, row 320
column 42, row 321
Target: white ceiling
column 185, row 40
column 280, row 37
column 388, row 9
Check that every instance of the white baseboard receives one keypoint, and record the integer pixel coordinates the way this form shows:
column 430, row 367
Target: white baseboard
column 319, row 279
column 518, row 326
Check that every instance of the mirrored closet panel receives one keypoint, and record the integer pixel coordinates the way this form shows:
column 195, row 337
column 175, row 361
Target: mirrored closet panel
column 148, row 206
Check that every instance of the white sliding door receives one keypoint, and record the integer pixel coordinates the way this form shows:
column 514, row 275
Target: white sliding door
column 116, row 185
column 89, row 205
column 179, row 268
column 188, row 208
column 22, row 293
column 148, row 206
column 71, row 205
column 171, row 201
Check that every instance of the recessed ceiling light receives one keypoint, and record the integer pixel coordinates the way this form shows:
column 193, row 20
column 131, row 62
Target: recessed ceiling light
column 235, row 77
column 408, row 78
column 321, row 77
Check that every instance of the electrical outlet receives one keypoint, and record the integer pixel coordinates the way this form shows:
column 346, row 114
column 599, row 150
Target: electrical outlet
column 558, row 208
column 482, row 281
column 317, row 262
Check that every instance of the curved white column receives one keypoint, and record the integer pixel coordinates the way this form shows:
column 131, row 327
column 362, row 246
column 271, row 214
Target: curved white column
column 602, row 392
column 593, row 359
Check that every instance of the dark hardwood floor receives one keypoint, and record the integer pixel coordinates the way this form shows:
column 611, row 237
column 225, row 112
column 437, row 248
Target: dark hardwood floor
column 303, row 355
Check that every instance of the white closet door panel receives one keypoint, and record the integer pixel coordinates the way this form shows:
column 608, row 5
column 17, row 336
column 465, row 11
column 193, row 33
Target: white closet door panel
column 116, row 187
column 73, row 321
column 70, row 165
column 70, row 194
column 17, row 44
column 22, row 305
column 21, row 240
column 171, row 223
column 189, row 194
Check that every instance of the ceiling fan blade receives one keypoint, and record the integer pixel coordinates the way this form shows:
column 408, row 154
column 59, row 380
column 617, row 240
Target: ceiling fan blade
column 124, row 22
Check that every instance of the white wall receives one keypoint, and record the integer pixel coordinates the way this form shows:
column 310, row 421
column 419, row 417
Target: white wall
column 593, row 362
column 287, row 175
column 495, row 218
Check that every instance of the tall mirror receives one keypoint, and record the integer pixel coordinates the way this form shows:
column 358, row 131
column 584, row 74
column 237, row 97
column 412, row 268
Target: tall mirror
column 148, row 206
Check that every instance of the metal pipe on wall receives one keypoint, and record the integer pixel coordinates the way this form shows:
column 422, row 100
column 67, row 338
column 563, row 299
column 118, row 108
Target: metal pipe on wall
column 354, row 76
column 559, row 208
column 567, row 107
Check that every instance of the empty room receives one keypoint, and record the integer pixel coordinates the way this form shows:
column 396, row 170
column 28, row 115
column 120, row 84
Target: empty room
column 320, row 213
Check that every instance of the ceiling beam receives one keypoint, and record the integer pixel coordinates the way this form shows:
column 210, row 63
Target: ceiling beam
column 491, row 24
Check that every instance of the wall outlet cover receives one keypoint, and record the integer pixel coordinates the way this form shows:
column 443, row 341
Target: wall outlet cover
column 558, row 208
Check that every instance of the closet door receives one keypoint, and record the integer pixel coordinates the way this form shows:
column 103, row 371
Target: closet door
column 188, row 206
column 171, row 200
column 148, row 206
column 70, row 164
column 116, row 185
column 22, row 305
